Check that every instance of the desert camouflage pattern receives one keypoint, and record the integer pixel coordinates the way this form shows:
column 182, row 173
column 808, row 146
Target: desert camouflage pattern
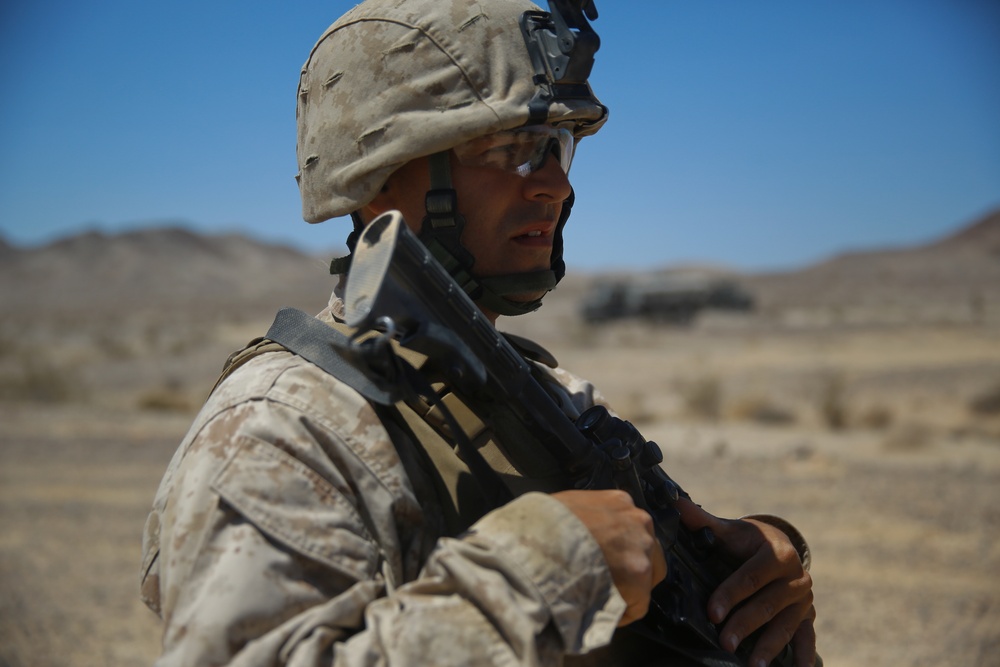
column 290, row 530
column 391, row 81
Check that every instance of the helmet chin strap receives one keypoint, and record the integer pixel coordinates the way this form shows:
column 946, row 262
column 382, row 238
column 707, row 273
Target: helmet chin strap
column 441, row 232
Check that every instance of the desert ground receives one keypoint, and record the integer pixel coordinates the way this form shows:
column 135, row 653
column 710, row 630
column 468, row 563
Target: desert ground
column 879, row 437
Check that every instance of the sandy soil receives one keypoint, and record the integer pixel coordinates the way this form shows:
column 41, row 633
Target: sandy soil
column 861, row 437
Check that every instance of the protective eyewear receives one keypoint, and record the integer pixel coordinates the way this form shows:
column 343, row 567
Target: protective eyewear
column 522, row 151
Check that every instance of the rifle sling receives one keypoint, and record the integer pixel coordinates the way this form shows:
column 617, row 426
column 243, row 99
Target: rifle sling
column 467, row 486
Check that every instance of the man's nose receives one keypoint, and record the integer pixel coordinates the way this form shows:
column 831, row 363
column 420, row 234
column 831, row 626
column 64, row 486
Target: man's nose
column 550, row 183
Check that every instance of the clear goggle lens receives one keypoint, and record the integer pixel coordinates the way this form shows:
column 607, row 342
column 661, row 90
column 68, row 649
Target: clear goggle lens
column 522, row 151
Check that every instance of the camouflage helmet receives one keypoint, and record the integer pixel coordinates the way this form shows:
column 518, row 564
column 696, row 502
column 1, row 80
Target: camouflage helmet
column 394, row 80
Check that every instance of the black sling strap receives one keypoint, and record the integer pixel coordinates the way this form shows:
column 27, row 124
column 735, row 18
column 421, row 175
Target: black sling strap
column 322, row 345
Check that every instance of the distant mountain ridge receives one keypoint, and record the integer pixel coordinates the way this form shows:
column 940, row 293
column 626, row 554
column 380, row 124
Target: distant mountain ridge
column 174, row 268
column 165, row 267
column 962, row 268
column 982, row 235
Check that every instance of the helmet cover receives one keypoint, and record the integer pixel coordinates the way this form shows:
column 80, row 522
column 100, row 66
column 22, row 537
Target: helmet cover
column 394, row 80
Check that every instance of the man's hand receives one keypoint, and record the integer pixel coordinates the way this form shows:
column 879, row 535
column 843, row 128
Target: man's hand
column 770, row 588
column 626, row 537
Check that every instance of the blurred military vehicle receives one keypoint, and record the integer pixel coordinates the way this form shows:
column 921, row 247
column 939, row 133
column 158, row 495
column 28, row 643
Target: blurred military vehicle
column 671, row 297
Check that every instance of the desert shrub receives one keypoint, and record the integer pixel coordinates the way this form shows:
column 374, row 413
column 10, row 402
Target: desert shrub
column 906, row 438
column 633, row 408
column 581, row 334
column 702, row 397
column 877, row 417
column 761, row 410
column 165, row 399
column 113, row 347
column 986, row 403
column 32, row 376
column 832, row 402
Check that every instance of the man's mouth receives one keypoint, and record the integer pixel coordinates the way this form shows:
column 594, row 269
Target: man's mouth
column 535, row 237
column 536, row 231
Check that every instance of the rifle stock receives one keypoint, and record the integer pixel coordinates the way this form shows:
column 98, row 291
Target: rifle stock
column 397, row 286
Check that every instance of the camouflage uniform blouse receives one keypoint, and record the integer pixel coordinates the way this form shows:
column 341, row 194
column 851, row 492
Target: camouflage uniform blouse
column 289, row 529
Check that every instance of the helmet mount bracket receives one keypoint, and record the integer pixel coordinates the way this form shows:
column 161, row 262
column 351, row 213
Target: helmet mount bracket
column 562, row 45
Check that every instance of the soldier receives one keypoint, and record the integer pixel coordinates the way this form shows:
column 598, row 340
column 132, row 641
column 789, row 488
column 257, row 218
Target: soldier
column 298, row 524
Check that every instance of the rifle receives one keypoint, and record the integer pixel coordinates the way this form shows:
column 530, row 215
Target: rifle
column 397, row 287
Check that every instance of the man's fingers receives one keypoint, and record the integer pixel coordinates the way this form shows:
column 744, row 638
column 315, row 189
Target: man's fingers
column 637, row 593
column 770, row 589
column 804, row 642
column 694, row 517
column 772, row 561
column 627, row 539
column 659, row 563
column 751, row 577
column 766, row 605
column 788, row 628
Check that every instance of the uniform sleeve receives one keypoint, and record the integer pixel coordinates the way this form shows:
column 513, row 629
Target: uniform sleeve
column 265, row 552
column 524, row 586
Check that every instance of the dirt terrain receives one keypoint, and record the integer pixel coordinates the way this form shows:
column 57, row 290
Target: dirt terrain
column 870, row 421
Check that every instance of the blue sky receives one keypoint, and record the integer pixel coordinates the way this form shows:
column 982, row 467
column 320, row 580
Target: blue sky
column 760, row 135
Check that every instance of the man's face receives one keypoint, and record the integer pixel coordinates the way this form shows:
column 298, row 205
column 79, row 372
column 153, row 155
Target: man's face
column 510, row 219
